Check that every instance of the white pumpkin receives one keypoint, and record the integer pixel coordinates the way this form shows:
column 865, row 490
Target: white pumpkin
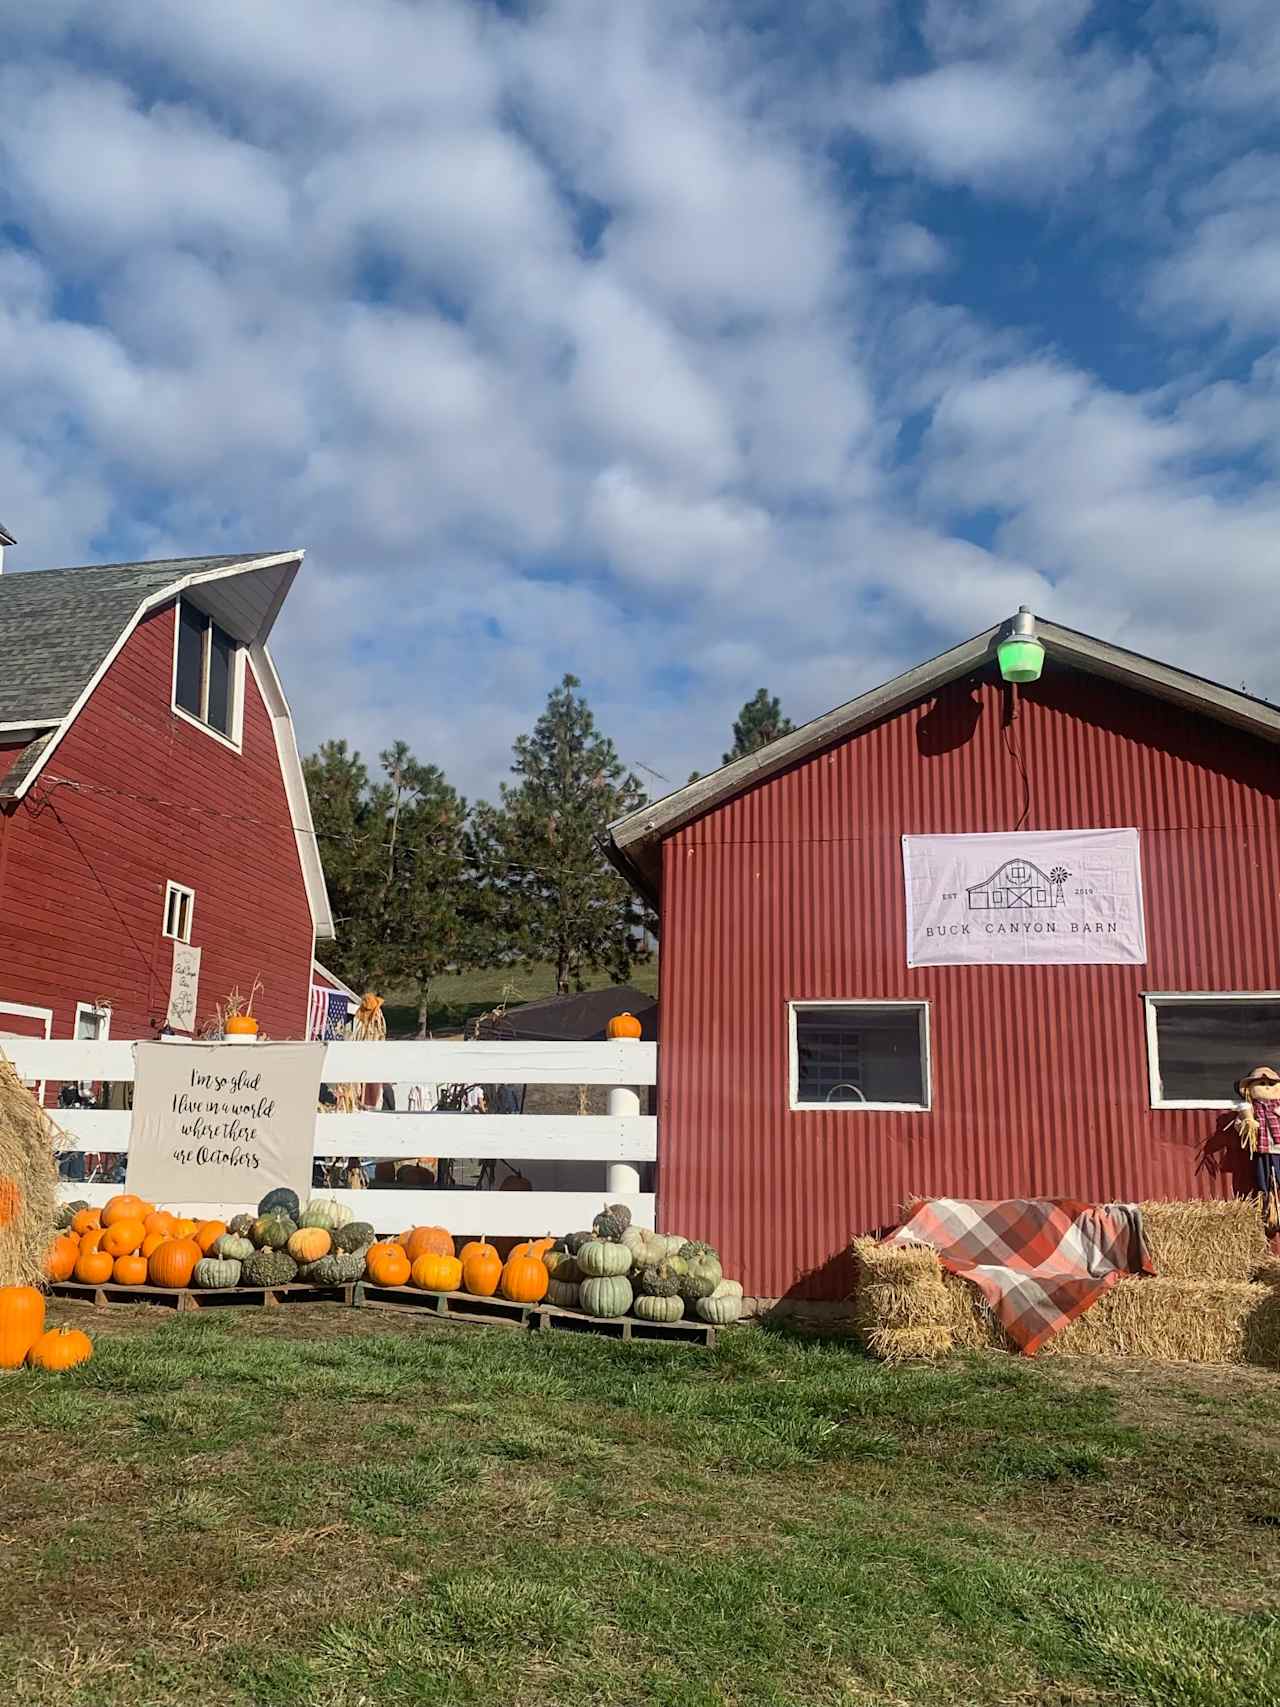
column 728, row 1289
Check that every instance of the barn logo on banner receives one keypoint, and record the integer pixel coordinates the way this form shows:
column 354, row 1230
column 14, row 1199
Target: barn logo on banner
column 1030, row 897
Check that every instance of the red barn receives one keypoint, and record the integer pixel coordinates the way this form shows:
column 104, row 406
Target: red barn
column 812, row 1079
column 151, row 798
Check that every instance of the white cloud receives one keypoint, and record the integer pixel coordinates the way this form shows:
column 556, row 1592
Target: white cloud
column 582, row 339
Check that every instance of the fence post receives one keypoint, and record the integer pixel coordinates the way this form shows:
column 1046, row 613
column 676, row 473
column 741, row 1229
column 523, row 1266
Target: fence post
column 621, row 1178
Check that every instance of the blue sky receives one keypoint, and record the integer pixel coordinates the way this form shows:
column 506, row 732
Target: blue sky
column 691, row 347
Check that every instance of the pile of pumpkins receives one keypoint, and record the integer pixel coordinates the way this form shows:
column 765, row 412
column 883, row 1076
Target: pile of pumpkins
column 129, row 1242
column 612, row 1270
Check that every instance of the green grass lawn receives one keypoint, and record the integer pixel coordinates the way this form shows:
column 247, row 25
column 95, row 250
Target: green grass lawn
column 466, row 995
column 329, row 1507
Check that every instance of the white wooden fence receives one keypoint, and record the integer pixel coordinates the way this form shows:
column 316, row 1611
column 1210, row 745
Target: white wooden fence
column 540, row 1145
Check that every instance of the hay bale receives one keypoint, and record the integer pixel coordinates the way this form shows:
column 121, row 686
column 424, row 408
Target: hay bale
column 905, row 1345
column 28, row 1181
column 1211, row 1240
column 901, row 1308
column 1159, row 1320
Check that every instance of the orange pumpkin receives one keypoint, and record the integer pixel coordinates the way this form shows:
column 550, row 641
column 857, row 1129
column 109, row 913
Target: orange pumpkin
column 152, row 1242
column 524, row 1280
column 60, row 1258
column 92, row 1240
column 123, row 1237
column 208, row 1233
column 60, row 1348
column 10, row 1200
column 386, row 1264
column 623, row 1025
column 184, row 1227
column 429, row 1241
column 436, row 1273
column 482, row 1271
column 471, row 1246
column 124, row 1207
column 309, row 1244
column 21, row 1323
column 93, row 1268
column 159, row 1221
column 130, row 1270
column 173, row 1263
column 85, row 1219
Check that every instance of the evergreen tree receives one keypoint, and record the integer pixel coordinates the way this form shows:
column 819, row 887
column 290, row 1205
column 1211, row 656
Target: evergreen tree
column 393, row 852
column 553, row 897
column 759, row 722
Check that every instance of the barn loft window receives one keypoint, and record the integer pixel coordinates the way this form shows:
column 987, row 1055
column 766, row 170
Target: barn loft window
column 860, row 1055
column 204, row 680
column 179, row 905
column 1199, row 1044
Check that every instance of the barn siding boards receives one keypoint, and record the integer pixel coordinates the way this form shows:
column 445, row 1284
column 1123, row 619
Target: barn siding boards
column 135, row 797
column 793, row 890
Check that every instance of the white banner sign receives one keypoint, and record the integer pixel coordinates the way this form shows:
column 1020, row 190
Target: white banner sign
column 184, row 987
column 1029, row 897
column 222, row 1122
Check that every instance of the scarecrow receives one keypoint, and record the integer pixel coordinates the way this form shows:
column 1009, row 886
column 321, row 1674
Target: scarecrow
column 1258, row 1124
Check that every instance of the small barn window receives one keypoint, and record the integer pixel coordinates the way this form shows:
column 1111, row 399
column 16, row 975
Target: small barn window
column 205, row 671
column 179, row 905
column 860, row 1055
column 1199, row 1044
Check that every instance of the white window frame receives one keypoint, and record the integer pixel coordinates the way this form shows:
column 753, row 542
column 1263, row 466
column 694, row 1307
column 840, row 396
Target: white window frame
column 100, row 1011
column 235, row 737
column 1153, row 1001
column 23, row 1010
column 181, row 891
column 922, row 1008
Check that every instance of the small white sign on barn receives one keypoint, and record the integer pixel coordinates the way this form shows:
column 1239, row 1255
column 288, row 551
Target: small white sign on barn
column 1027, row 897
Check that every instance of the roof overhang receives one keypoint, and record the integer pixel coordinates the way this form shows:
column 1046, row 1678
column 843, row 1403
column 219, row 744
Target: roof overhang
column 634, row 843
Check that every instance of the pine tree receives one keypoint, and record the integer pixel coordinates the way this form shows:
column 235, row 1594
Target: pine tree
column 399, row 886
column 759, row 722
column 553, row 896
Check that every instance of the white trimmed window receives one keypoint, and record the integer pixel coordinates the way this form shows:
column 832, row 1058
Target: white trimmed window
column 179, row 906
column 860, row 1055
column 1200, row 1042
column 93, row 1022
column 207, row 672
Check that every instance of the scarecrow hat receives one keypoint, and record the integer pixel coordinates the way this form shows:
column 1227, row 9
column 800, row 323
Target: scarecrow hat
column 1260, row 1076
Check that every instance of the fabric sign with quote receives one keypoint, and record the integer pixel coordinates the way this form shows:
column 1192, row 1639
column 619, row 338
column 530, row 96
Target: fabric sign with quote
column 1028, row 897
column 222, row 1123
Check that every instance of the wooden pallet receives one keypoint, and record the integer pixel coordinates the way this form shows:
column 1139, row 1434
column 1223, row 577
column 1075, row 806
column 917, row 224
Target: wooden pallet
column 464, row 1307
column 454, row 1306
column 701, row 1334
column 184, row 1298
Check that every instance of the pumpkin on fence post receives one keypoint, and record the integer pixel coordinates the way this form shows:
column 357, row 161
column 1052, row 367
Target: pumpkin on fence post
column 624, row 1025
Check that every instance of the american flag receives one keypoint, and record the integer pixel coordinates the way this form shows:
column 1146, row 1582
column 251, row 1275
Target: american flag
column 329, row 1013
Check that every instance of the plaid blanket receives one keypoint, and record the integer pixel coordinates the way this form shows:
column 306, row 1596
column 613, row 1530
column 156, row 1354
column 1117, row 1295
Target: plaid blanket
column 1039, row 1262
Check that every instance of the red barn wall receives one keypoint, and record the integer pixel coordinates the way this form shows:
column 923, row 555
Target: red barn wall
column 1040, row 1087
column 83, row 869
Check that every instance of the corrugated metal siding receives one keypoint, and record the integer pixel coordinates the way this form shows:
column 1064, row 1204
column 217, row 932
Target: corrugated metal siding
column 795, row 891
column 84, row 868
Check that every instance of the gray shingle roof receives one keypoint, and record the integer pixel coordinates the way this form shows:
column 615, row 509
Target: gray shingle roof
column 57, row 625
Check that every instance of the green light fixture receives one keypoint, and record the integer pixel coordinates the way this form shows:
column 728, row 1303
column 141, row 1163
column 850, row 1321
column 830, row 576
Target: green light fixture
column 1020, row 654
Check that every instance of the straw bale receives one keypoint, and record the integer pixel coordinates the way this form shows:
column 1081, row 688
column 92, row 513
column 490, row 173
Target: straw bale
column 1157, row 1319
column 895, row 1264
column 926, row 1303
column 1268, row 1273
column 901, row 1345
column 1205, row 1240
column 28, row 1181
